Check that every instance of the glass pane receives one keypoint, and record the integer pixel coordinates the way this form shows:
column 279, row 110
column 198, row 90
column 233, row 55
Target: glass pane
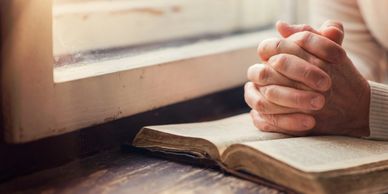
column 97, row 29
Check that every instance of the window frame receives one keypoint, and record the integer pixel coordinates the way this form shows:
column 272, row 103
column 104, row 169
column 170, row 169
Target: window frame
column 35, row 106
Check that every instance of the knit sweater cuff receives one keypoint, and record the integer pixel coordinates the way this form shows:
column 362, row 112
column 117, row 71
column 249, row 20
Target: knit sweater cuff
column 378, row 111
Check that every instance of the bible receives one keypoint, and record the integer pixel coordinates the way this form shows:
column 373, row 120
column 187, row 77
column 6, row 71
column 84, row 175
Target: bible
column 313, row 164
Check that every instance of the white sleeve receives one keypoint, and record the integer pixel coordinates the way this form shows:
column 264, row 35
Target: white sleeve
column 378, row 111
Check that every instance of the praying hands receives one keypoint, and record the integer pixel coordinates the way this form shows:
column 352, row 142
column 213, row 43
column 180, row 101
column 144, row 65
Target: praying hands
column 307, row 84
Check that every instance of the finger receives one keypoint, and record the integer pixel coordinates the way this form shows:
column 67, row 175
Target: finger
column 332, row 23
column 292, row 124
column 274, row 46
column 257, row 102
column 300, row 70
column 263, row 75
column 260, row 123
column 287, row 123
column 330, row 29
column 327, row 49
column 333, row 30
column 293, row 98
column 286, row 30
column 269, row 47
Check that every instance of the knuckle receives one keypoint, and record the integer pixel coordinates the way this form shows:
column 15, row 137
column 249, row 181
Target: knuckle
column 265, row 46
column 272, row 120
column 260, row 105
column 270, row 92
column 305, row 38
column 250, row 71
column 260, row 47
column 263, row 75
column 306, row 27
column 280, row 62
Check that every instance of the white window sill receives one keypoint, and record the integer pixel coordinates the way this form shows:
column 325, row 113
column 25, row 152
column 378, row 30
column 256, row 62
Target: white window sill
column 41, row 101
column 84, row 70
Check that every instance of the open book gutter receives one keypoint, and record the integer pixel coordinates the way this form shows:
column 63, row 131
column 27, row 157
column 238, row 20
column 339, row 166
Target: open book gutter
column 201, row 162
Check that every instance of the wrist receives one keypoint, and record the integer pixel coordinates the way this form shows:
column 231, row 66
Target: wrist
column 363, row 112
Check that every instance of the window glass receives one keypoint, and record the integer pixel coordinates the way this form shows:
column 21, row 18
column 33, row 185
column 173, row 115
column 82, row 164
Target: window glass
column 85, row 30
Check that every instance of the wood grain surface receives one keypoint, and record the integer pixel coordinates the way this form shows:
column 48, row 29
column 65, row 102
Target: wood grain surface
column 128, row 172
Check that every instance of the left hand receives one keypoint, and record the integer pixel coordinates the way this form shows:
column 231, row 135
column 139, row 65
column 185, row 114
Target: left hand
column 308, row 86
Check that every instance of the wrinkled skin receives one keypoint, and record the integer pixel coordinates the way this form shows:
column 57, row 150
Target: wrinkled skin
column 307, row 84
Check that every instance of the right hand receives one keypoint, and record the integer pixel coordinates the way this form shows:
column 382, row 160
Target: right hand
column 282, row 114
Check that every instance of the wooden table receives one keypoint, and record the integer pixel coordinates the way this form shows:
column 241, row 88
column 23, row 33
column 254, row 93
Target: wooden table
column 121, row 171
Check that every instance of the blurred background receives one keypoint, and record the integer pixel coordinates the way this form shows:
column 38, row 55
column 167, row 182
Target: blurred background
column 86, row 30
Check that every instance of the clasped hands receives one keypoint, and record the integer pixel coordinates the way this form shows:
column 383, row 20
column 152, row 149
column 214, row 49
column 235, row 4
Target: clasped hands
column 307, row 84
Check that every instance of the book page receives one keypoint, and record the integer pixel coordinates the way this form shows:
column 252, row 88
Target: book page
column 324, row 153
column 221, row 133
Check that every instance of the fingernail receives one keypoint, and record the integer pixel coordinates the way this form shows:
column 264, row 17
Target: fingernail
column 322, row 84
column 316, row 102
column 307, row 123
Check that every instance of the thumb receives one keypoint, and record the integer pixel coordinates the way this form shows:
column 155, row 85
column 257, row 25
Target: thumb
column 330, row 29
column 333, row 30
column 287, row 30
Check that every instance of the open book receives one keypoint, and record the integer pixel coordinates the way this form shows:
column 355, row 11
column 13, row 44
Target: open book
column 319, row 164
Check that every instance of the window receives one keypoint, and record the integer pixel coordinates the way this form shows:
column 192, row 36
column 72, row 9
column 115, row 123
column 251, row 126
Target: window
column 69, row 64
column 95, row 30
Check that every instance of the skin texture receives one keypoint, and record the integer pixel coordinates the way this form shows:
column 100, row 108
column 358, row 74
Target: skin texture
column 307, row 84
